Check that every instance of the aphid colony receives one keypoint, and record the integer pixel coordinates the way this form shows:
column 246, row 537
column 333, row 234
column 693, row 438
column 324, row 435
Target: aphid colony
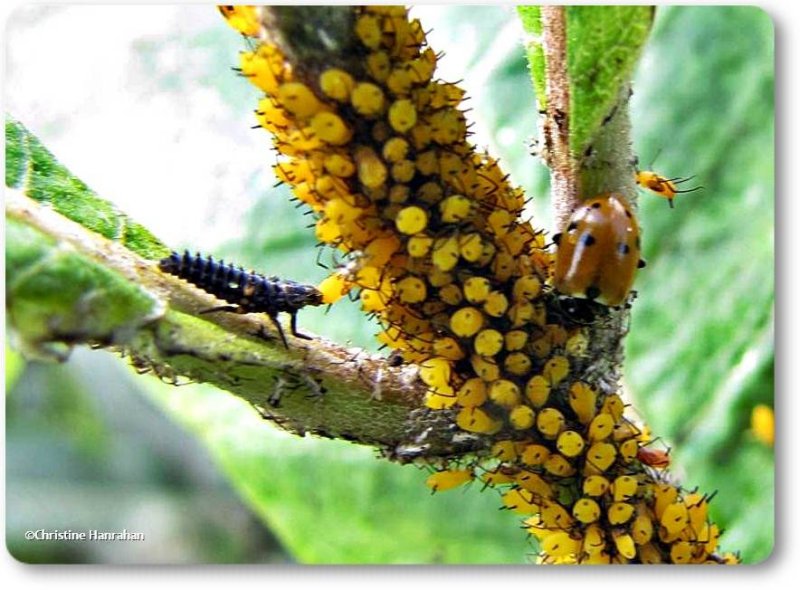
column 249, row 292
column 460, row 285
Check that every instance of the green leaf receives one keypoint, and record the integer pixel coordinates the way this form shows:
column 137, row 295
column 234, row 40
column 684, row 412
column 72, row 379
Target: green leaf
column 53, row 293
column 603, row 45
column 31, row 168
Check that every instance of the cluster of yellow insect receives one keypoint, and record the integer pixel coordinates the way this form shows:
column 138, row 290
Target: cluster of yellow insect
column 461, row 285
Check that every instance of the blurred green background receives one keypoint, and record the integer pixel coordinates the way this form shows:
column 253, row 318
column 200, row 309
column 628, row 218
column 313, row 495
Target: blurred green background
column 149, row 114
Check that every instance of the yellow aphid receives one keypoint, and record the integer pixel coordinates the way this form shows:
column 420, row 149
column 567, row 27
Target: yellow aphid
column 380, row 250
column 242, row 18
column 577, row 345
column 368, row 30
column 328, row 230
column 504, row 393
column 666, row 188
column 593, row 540
column 455, row 209
column 299, row 99
column 496, row 478
column 447, row 126
column 412, row 220
column 556, row 369
column 263, row 68
column 559, row 544
column 649, row 554
column 436, row 371
column 402, row 115
column 642, row 529
column 372, row 300
column 451, row 294
column 427, row 163
column 518, row 363
column 488, row 342
column 619, row 513
column 680, row 552
column 504, row 450
column 629, row 449
column 466, row 322
column 336, row 84
column 439, row 278
column 372, row 172
column 520, row 501
column 599, row 457
column 502, row 266
column 500, row 221
column 526, row 288
column 534, row 455
column 367, row 99
column 438, row 399
column 399, row 193
column 445, row 253
column 368, row 277
column 570, row 443
column 272, row 117
column 441, row 481
column 537, row 390
column 340, row 165
column 535, row 484
column 378, row 65
column 697, row 506
column 403, row 171
column 446, row 94
column 334, row 287
column 476, row 289
column 555, row 516
column 477, row 420
column 342, row 212
column 399, row 81
column 496, row 304
column 472, row 393
column 429, row 192
column 613, row 405
column 557, row 465
column 550, row 422
column 665, row 494
column 601, row 427
column 448, row 348
column 395, row 149
column 582, row 400
column 471, row 247
column 762, row 424
column 330, row 128
column 624, row 488
column 586, row 510
column 417, row 246
column 624, row 543
column 422, row 68
column 411, row 290
column 675, row 518
column 595, row 485
column 521, row 417
column 515, row 340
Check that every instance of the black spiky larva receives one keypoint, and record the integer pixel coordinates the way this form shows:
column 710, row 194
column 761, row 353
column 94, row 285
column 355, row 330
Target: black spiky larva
column 249, row 292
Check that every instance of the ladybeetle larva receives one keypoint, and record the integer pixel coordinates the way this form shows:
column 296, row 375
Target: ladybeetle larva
column 250, row 292
column 598, row 253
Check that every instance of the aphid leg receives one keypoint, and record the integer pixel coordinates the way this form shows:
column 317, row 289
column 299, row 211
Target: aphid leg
column 293, row 326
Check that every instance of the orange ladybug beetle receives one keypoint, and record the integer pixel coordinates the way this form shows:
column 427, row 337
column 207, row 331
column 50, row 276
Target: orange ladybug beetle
column 599, row 251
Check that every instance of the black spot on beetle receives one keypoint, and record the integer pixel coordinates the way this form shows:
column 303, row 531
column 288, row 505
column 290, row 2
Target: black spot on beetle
column 587, row 240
